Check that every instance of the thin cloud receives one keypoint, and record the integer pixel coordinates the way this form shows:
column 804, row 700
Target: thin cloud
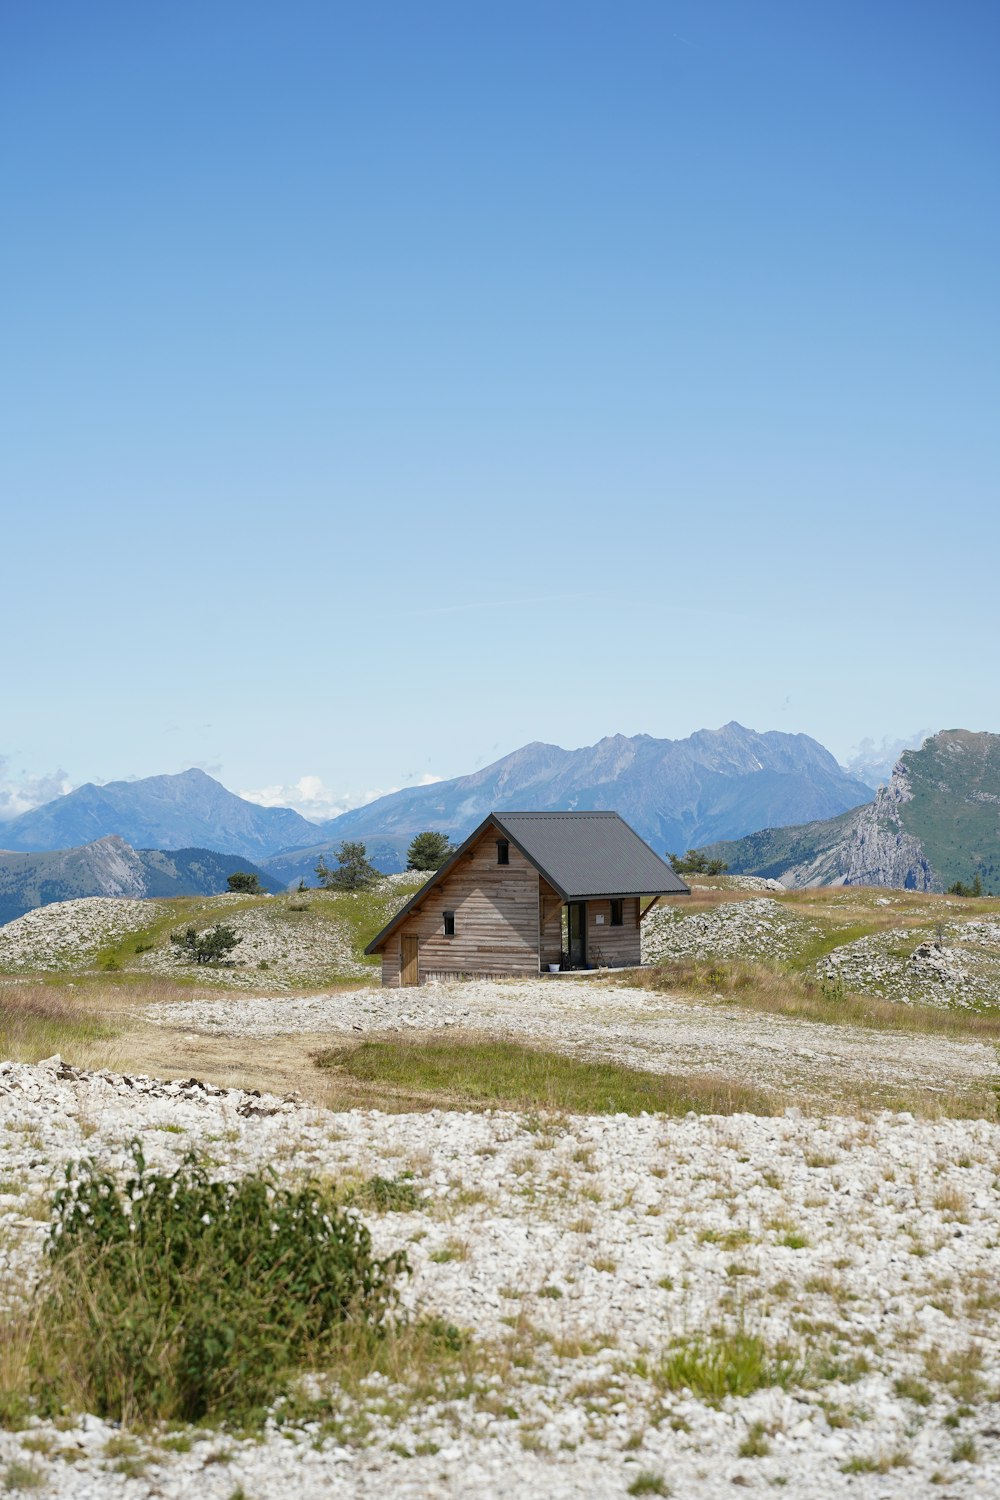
column 310, row 797
column 24, row 793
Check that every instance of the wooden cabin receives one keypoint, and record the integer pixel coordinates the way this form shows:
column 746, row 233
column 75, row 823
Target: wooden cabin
column 528, row 891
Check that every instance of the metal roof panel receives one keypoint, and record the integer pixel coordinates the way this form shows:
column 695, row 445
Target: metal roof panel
column 590, row 854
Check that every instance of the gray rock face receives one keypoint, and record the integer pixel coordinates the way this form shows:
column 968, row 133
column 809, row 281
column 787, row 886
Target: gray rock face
column 881, row 852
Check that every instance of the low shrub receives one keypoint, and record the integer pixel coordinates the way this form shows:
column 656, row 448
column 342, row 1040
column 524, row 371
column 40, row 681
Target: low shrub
column 174, row 1297
column 732, row 1364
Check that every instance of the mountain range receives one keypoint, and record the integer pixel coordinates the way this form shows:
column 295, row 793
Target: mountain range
column 674, row 793
column 716, row 784
column 191, row 810
column 936, row 822
column 111, row 867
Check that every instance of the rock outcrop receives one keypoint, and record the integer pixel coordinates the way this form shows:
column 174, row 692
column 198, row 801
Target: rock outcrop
column 935, row 823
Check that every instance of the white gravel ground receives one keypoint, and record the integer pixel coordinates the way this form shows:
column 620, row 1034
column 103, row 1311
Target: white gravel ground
column 626, row 1232
column 761, row 928
column 642, row 1028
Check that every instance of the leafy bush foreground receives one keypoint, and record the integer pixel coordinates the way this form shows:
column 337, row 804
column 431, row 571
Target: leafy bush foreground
column 175, row 1297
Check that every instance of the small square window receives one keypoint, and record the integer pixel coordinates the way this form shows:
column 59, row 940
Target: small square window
column 503, row 852
column 617, row 916
column 449, row 924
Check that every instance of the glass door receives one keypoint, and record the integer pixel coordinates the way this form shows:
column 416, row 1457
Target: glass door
column 576, row 913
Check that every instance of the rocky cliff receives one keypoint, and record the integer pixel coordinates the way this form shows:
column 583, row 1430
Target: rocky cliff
column 936, row 822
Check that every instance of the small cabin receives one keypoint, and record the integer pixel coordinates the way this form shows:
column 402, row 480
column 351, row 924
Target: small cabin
column 530, row 892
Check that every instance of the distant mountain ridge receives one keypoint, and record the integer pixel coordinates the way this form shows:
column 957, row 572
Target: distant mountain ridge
column 190, row 810
column 715, row 784
column 111, row 867
column 937, row 821
column 675, row 793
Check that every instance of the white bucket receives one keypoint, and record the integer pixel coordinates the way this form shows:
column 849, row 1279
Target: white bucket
column 553, row 968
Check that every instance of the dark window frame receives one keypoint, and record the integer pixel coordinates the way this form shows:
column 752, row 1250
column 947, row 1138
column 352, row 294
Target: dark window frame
column 617, row 912
column 449, row 923
column 503, row 851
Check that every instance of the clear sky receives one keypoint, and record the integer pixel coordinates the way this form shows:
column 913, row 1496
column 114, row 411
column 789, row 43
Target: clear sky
column 386, row 385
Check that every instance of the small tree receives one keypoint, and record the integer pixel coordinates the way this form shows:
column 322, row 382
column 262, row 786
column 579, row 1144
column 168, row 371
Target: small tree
column 696, row 863
column 245, row 884
column 353, row 872
column 208, row 947
column 428, row 851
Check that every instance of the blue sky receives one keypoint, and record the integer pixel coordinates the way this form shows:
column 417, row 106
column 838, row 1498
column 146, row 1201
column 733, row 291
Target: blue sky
column 388, row 385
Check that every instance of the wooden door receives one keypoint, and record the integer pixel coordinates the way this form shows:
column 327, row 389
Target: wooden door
column 410, row 973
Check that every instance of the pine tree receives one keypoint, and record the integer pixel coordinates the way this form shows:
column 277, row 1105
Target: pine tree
column 353, row 872
column 428, row 851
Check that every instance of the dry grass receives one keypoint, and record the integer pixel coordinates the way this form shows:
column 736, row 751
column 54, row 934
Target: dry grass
column 36, row 1022
column 762, row 987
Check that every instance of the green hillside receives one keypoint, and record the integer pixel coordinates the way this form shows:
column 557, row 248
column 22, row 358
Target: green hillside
column 774, row 850
column 938, row 822
column 955, row 806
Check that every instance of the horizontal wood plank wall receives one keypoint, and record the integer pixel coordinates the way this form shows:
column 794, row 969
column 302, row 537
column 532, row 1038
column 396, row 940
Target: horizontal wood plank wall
column 550, row 924
column 496, row 919
column 618, row 945
column 391, row 961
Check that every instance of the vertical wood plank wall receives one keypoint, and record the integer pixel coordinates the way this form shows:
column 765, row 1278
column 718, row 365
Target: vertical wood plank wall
column 496, row 919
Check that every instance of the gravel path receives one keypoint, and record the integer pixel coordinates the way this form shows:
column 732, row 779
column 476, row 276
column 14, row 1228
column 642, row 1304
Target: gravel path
column 598, row 1019
column 870, row 1248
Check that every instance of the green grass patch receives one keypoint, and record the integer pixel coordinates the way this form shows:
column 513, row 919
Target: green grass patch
column 648, row 1483
column 730, row 1364
column 485, row 1073
column 385, row 1195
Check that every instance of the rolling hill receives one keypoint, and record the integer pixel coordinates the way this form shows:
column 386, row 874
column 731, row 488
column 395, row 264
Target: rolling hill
column 111, row 867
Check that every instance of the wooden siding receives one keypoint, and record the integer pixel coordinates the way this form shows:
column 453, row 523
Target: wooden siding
column 618, row 945
column 391, row 961
column 550, row 924
column 496, row 919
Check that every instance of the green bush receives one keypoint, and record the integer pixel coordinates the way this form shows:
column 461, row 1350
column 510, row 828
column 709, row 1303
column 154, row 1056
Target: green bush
column 244, row 883
column 206, row 947
column 179, row 1298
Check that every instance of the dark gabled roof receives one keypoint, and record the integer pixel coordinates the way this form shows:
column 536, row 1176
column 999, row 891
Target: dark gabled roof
column 587, row 854
column 582, row 855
